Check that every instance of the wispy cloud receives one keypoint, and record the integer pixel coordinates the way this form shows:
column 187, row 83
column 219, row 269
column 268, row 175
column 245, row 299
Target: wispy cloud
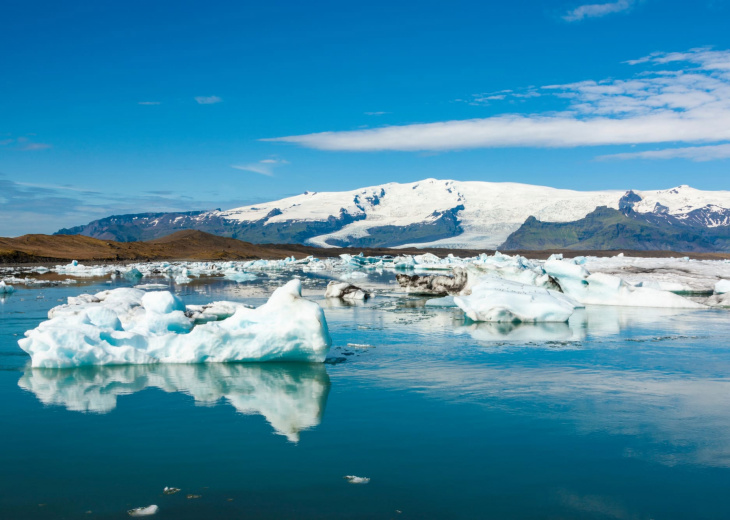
column 263, row 167
column 149, row 103
column 597, row 10
column 208, row 100
column 24, row 144
column 30, row 147
column 688, row 101
column 693, row 153
column 379, row 113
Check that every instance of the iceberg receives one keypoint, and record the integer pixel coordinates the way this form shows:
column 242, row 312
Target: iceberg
column 503, row 301
column 130, row 326
column 291, row 396
column 5, row 288
column 345, row 291
column 605, row 289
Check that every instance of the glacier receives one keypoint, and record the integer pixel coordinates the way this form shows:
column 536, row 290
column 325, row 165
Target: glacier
column 130, row 326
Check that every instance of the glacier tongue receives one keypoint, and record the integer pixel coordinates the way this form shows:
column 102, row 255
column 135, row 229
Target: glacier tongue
column 129, row 326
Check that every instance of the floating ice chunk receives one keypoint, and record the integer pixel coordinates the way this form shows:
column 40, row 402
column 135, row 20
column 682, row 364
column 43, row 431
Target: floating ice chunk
column 503, row 301
column 143, row 511
column 721, row 287
column 239, row 276
column 5, row 288
column 352, row 479
column 151, row 286
column 170, row 490
column 287, row 327
column 605, row 289
column 132, row 273
column 345, row 291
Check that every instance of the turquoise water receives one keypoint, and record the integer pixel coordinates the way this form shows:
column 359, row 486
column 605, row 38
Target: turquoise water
column 624, row 413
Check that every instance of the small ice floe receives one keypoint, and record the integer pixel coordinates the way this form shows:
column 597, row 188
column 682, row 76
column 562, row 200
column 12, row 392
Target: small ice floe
column 193, row 497
column 721, row 287
column 151, row 286
column 128, row 326
column 352, row 479
column 170, row 490
column 360, row 345
column 345, row 291
column 132, row 273
column 143, row 511
column 503, row 301
column 6, row 289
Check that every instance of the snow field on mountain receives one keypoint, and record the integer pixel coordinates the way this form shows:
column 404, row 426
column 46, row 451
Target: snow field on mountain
column 491, row 210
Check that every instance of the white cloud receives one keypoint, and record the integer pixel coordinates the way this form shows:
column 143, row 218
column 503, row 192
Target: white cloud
column 31, row 147
column 597, row 10
column 208, row 100
column 694, row 153
column 148, row 103
column 380, row 113
column 24, row 144
column 689, row 104
column 263, row 167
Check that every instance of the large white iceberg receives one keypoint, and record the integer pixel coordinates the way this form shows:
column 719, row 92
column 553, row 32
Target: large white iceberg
column 503, row 301
column 129, row 326
column 606, row 289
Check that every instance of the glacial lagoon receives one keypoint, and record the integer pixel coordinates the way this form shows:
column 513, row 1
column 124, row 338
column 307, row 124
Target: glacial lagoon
column 620, row 413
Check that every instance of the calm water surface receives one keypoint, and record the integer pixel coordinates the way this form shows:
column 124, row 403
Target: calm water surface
column 623, row 413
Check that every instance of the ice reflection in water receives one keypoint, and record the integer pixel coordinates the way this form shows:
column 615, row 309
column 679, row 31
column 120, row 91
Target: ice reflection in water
column 292, row 397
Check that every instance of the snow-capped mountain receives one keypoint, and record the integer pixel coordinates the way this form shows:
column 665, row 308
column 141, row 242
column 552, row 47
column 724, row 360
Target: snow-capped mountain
column 428, row 213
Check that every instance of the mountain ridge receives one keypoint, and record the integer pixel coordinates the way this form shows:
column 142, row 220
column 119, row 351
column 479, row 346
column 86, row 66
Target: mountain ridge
column 428, row 213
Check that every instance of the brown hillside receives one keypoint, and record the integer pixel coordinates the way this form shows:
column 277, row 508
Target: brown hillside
column 197, row 245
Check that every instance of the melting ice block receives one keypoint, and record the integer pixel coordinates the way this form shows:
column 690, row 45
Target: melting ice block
column 6, row 289
column 503, row 301
column 129, row 326
column 606, row 289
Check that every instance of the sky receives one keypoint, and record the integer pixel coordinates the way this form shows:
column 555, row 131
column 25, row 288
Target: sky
column 128, row 107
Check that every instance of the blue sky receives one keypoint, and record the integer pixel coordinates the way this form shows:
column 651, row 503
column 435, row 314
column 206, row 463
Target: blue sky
column 119, row 107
